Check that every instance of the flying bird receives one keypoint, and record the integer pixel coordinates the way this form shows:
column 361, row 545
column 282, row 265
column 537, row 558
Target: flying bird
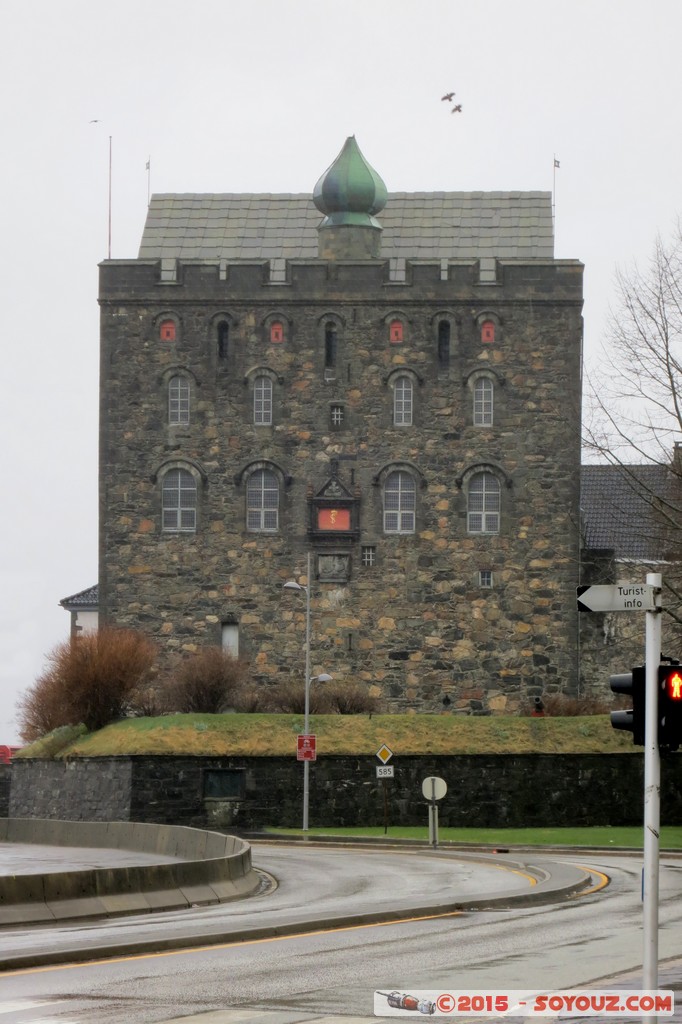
column 95, row 120
column 457, row 109
column 448, row 96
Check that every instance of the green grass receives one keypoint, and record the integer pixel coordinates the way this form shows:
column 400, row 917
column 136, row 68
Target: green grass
column 259, row 735
column 601, row 836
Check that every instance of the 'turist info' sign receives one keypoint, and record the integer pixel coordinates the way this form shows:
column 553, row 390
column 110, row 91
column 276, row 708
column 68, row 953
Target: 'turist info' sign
column 617, row 597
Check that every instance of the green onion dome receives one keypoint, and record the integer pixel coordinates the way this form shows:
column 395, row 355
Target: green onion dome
column 350, row 191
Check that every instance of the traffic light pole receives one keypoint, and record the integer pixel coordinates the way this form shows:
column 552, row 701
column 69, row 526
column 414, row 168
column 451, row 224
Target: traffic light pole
column 652, row 790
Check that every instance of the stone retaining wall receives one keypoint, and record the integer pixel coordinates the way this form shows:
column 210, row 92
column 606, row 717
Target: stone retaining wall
column 541, row 790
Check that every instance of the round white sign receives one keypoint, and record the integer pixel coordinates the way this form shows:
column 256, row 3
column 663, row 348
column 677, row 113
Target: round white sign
column 434, row 788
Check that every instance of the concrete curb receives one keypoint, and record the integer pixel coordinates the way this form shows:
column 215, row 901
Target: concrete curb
column 213, row 868
column 565, row 881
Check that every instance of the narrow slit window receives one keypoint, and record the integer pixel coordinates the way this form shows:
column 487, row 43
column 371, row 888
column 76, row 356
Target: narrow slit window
column 330, row 346
column 444, row 344
column 223, row 340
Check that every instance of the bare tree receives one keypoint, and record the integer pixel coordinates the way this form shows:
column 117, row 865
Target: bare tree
column 87, row 680
column 635, row 413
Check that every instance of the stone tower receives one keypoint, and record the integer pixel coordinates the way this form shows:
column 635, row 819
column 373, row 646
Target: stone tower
column 393, row 390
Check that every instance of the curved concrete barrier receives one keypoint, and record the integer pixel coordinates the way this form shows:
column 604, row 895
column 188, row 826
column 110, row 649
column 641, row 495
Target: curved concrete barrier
column 211, row 868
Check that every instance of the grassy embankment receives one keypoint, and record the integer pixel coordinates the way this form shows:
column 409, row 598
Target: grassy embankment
column 260, row 735
column 256, row 735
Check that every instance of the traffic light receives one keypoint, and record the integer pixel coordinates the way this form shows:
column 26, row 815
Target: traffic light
column 631, row 683
column 669, row 706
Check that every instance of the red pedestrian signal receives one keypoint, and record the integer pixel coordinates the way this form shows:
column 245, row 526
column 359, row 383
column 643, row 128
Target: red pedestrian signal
column 673, row 685
column 669, row 706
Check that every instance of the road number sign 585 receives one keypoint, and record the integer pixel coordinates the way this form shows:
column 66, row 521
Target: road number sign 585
column 384, row 771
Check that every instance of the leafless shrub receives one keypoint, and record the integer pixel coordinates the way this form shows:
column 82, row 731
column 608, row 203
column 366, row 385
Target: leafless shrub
column 348, row 697
column 560, row 705
column 289, row 698
column 206, row 682
column 251, row 700
column 145, row 702
column 88, row 680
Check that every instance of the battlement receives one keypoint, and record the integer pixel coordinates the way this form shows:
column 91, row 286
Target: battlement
column 308, row 279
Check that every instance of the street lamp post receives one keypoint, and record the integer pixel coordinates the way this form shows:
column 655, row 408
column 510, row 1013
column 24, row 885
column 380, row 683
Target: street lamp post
column 322, row 678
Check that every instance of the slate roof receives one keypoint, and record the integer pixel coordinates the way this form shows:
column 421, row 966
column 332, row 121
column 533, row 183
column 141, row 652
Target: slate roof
column 416, row 225
column 83, row 599
column 617, row 510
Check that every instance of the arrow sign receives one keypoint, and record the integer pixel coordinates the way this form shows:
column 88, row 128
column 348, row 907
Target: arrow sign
column 617, row 597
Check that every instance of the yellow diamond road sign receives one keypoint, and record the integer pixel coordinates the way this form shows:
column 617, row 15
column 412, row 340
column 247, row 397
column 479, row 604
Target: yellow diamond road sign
column 384, row 754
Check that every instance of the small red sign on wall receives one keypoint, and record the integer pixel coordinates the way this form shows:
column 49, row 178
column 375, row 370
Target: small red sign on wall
column 333, row 519
column 306, row 747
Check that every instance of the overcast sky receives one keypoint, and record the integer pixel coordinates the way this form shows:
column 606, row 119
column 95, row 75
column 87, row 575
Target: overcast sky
column 224, row 96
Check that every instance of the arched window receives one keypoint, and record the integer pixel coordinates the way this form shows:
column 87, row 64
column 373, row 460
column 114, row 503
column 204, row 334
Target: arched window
column 178, row 401
column 167, row 331
column 395, row 332
column 179, row 502
column 400, row 500
column 488, row 332
column 262, row 502
column 223, row 338
column 483, row 504
column 262, row 401
column 483, row 402
column 443, row 344
column 402, row 402
column 276, row 331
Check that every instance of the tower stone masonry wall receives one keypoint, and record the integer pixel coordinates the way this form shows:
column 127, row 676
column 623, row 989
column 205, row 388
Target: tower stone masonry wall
column 416, row 626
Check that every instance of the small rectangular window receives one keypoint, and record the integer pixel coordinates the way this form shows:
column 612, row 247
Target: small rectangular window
column 337, row 415
column 369, row 554
column 230, row 638
column 485, row 578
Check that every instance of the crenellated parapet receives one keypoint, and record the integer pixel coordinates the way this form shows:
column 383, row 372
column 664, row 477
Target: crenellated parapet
column 352, row 281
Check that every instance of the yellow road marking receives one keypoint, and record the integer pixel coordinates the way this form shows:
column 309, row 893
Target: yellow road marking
column 604, row 881
column 224, row 945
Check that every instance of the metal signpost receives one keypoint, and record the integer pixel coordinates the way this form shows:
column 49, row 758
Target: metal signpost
column 646, row 598
column 434, row 789
column 385, row 771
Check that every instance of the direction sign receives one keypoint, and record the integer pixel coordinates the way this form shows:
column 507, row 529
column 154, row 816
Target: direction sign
column 384, row 754
column 617, row 597
column 306, row 747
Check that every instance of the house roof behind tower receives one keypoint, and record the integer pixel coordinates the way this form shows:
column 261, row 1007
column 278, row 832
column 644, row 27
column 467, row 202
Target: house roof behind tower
column 619, row 510
column 416, row 225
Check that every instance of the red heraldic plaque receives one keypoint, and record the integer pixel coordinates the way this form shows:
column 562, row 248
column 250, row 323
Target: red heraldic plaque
column 333, row 519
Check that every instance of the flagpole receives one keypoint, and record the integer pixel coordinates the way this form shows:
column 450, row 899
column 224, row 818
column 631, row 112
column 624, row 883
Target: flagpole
column 149, row 179
column 555, row 164
column 109, row 256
